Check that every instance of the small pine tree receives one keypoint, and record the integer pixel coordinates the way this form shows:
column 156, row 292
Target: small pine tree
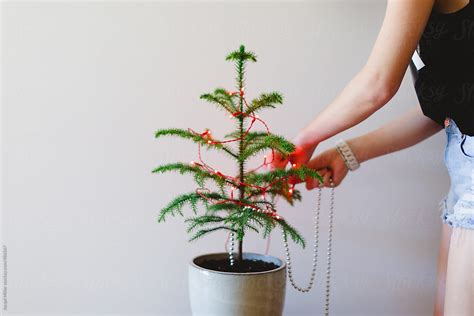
column 253, row 207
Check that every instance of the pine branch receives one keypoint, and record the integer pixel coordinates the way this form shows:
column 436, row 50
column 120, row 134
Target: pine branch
column 203, row 232
column 180, row 133
column 176, row 205
column 224, row 207
column 230, row 205
column 200, row 175
column 252, row 227
column 278, row 189
column 302, row 172
column 267, row 142
column 253, row 137
column 261, row 204
column 290, row 230
column 260, row 137
column 241, row 222
column 195, row 138
column 271, row 223
column 222, row 99
column 203, row 220
column 290, row 198
column 268, row 224
column 265, row 100
column 241, row 55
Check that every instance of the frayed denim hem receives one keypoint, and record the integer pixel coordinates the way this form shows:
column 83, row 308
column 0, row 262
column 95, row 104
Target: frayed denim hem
column 461, row 220
column 455, row 220
column 444, row 210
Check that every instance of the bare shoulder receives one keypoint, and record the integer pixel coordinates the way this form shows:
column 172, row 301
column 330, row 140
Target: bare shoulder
column 449, row 6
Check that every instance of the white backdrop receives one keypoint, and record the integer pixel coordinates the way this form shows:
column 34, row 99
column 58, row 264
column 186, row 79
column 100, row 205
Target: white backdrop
column 86, row 85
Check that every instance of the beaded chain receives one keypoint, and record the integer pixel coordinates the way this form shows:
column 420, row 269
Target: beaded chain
column 315, row 249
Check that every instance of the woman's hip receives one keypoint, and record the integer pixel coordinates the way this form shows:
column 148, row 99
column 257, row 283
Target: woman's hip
column 458, row 206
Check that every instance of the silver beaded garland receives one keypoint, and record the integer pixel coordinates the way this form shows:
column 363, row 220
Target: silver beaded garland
column 231, row 249
column 315, row 250
column 329, row 253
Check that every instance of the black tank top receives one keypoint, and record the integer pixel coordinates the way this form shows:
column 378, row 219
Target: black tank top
column 445, row 84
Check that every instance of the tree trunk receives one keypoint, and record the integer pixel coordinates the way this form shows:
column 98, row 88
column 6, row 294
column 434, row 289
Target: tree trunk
column 241, row 142
column 239, row 254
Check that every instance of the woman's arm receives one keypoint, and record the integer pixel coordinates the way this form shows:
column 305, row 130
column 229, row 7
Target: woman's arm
column 379, row 80
column 405, row 131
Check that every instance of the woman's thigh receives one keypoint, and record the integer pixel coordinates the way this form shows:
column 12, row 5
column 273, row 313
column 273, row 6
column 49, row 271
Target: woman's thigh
column 459, row 299
column 442, row 269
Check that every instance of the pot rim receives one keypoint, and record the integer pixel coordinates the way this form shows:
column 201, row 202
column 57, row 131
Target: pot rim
column 194, row 265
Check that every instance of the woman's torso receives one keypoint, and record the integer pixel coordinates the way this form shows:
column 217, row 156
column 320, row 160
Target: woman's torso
column 445, row 85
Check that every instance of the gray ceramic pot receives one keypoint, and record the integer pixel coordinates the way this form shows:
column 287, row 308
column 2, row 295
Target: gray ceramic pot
column 236, row 294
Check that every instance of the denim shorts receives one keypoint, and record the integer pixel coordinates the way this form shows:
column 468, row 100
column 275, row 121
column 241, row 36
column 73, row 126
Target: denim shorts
column 457, row 207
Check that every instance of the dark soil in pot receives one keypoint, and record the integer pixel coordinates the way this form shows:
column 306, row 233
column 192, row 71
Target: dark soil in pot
column 244, row 266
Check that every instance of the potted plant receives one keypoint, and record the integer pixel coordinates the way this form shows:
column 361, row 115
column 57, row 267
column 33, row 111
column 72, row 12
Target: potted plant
column 237, row 283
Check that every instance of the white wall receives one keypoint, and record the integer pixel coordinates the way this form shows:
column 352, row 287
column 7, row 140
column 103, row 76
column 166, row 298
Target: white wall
column 87, row 84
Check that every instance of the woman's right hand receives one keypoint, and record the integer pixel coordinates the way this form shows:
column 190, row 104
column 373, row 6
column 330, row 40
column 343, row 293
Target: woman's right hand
column 300, row 156
column 330, row 165
column 304, row 149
